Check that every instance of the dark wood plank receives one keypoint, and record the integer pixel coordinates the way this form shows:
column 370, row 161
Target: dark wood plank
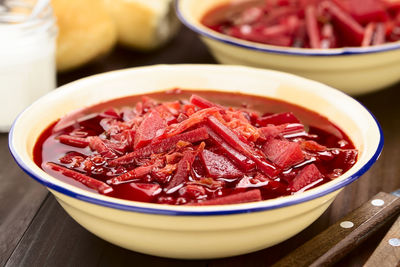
column 388, row 251
column 385, row 174
column 55, row 239
column 20, row 198
column 349, row 232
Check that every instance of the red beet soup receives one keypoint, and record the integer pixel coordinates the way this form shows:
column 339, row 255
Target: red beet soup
column 184, row 147
column 309, row 23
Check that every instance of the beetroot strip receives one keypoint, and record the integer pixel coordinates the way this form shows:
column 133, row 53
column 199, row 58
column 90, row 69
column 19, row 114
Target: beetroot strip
column 162, row 146
column 369, row 32
column 147, row 130
column 278, row 119
column 230, row 137
column 379, row 36
column 243, row 197
column 98, row 145
column 217, row 165
column 194, row 119
column 240, row 160
column 90, row 182
column 312, row 26
column 183, row 169
column 73, row 141
column 182, row 172
column 202, row 102
column 348, row 23
column 130, row 175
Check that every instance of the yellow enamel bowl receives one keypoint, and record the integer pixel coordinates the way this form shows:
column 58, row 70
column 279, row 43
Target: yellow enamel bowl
column 354, row 70
column 190, row 232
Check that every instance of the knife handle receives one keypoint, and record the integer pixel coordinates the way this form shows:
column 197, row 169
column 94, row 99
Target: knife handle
column 339, row 239
column 388, row 251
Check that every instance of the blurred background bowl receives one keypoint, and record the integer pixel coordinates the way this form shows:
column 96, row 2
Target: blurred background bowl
column 194, row 232
column 354, row 70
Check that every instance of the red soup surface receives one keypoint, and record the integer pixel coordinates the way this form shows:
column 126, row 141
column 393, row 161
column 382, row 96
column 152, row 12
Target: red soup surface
column 309, row 23
column 198, row 148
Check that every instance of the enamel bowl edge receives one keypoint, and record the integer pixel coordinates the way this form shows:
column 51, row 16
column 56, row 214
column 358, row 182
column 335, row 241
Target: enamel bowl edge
column 354, row 70
column 196, row 232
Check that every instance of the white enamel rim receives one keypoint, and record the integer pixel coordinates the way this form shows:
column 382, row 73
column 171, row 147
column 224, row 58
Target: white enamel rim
column 195, row 26
column 26, row 163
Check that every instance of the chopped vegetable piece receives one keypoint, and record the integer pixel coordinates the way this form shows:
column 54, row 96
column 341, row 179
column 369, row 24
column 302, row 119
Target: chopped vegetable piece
column 74, row 158
column 202, row 102
column 287, row 130
column 278, row 119
column 194, row 119
column 328, row 36
column 272, row 131
column 283, row 153
column 379, row 37
column 111, row 113
column 148, row 129
column 241, row 161
column 365, row 11
column 139, row 172
column 231, row 138
column 182, row 172
column 312, row 26
column 243, row 197
column 90, row 182
column 312, row 146
column 219, row 166
column 350, row 29
column 368, row 34
column 193, row 191
column 294, row 130
column 98, row 145
column 263, row 183
column 162, row 146
column 161, row 174
column 346, row 157
column 307, row 176
column 73, row 140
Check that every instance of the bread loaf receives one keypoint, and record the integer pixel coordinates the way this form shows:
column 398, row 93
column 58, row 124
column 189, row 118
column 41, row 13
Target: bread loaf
column 143, row 24
column 85, row 31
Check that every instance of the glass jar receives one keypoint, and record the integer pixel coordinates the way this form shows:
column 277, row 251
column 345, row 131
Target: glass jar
column 27, row 52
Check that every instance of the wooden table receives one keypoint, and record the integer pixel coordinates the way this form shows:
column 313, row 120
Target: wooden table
column 35, row 230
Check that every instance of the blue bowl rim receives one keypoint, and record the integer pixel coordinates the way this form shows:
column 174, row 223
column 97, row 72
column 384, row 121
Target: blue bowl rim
column 235, row 209
column 344, row 51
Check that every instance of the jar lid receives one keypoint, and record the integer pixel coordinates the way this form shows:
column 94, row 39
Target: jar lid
column 16, row 11
column 25, row 18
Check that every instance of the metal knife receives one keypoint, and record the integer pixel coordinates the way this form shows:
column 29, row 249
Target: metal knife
column 388, row 251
